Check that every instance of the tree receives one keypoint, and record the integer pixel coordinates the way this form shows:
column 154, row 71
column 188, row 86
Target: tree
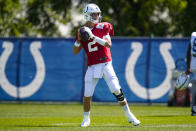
column 43, row 16
column 165, row 18
column 142, row 17
column 33, row 17
column 188, row 22
column 9, row 10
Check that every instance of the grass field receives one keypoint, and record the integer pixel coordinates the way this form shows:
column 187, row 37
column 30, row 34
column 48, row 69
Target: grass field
column 67, row 117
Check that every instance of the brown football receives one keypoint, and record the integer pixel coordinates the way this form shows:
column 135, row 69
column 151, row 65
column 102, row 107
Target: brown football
column 84, row 35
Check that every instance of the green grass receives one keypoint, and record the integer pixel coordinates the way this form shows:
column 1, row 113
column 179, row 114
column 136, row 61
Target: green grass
column 44, row 117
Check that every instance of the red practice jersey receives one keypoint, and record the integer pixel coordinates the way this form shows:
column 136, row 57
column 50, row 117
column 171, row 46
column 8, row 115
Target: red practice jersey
column 95, row 52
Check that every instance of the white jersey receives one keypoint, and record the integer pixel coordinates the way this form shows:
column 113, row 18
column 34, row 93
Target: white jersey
column 193, row 51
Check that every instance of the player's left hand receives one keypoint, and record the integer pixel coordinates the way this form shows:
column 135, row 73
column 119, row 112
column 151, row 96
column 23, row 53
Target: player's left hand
column 89, row 32
column 107, row 44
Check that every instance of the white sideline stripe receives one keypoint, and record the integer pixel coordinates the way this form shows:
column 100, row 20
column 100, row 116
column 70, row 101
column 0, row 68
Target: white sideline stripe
column 172, row 125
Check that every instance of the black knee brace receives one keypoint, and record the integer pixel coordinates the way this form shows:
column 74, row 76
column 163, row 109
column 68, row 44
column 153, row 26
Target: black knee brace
column 120, row 97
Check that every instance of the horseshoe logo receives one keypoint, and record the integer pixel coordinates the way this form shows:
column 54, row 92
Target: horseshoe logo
column 140, row 91
column 31, row 88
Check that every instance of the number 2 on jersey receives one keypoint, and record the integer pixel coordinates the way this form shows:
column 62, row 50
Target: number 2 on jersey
column 90, row 49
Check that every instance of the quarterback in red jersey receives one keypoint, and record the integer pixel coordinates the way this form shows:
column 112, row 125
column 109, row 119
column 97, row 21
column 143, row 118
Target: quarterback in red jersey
column 97, row 49
column 96, row 52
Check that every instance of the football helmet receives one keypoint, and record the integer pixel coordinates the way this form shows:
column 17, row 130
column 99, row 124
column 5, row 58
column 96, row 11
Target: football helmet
column 182, row 81
column 193, row 37
column 88, row 10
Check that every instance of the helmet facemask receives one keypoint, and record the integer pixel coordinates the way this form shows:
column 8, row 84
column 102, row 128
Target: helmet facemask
column 93, row 20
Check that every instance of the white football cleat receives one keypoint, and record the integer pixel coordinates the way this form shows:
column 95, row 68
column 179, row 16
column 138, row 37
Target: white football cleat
column 136, row 122
column 132, row 119
column 85, row 122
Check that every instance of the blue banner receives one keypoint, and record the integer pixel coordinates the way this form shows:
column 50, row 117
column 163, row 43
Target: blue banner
column 40, row 70
column 144, row 68
column 45, row 69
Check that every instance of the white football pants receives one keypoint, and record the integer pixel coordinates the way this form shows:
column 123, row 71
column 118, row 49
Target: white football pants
column 97, row 71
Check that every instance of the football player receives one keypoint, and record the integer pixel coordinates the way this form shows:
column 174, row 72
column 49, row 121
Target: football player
column 191, row 67
column 97, row 49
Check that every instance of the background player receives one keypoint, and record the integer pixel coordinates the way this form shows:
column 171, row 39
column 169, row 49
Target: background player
column 97, row 49
column 191, row 67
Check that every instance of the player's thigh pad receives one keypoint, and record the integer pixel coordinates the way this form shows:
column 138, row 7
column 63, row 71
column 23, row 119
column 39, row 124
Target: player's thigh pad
column 90, row 83
column 111, row 78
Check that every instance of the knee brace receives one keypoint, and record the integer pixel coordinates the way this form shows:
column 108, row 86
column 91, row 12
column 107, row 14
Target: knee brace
column 119, row 95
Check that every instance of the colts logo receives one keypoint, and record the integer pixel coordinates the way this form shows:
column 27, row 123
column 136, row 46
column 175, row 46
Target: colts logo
column 32, row 87
column 140, row 91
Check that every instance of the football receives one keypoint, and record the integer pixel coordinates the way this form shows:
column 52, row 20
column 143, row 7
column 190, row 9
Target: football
column 84, row 35
column 182, row 82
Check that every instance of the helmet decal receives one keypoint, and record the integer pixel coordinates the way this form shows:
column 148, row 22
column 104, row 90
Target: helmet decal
column 86, row 9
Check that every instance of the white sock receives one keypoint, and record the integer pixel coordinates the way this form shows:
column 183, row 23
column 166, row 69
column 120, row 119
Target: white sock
column 125, row 107
column 128, row 113
column 86, row 115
